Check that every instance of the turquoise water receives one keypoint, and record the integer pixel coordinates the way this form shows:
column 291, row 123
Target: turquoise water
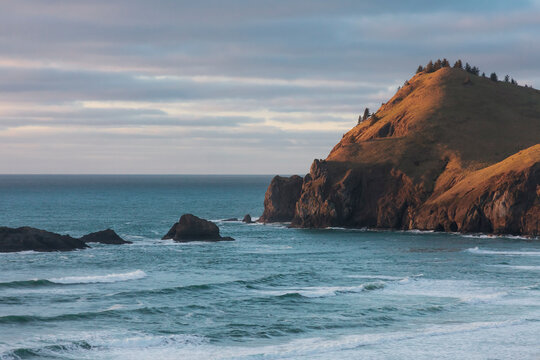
column 274, row 293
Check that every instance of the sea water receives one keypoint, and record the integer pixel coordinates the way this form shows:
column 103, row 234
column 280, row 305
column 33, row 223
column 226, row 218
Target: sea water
column 274, row 293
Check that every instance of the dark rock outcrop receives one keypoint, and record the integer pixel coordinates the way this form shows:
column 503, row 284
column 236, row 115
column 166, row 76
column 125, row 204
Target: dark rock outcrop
column 193, row 228
column 280, row 199
column 230, row 219
column 107, row 236
column 28, row 238
column 247, row 219
column 440, row 156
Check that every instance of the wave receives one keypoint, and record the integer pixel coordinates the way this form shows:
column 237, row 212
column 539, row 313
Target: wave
column 91, row 345
column 110, row 278
column 321, row 291
column 519, row 267
column 24, row 252
column 114, row 311
column 476, row 250
column 188, row 346
column 382, row 277
column 26, row 283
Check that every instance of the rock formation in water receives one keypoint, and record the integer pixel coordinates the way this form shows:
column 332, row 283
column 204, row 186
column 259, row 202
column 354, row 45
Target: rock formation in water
column 451, row 151
column 28, row 238
column 280, row 199
column 193, row 228
column 247, row 219
column 107, row 236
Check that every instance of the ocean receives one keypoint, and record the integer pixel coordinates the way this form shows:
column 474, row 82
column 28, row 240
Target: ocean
column 274, row 293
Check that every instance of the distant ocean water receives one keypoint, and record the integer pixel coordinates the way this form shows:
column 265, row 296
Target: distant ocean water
column 274, row 293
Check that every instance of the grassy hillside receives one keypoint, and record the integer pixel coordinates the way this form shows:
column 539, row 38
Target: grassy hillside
column 447, row 121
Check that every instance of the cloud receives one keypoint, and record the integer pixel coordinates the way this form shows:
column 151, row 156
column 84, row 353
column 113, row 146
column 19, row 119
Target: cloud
column 228, row 85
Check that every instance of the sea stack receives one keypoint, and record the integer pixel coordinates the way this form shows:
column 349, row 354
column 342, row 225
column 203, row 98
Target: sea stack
column 193, row 228
column 450, row 151
column 107, row 236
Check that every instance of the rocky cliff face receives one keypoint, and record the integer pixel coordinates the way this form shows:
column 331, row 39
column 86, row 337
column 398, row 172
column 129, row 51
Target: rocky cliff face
column 440, row 155
column 280, row 199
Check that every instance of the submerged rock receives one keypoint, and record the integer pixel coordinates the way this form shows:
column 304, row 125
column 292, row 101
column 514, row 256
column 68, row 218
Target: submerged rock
column 107, row 236
column 28, row 238
column 280, row 199
column 230, row 219
column 247, row 219
column 193, row 228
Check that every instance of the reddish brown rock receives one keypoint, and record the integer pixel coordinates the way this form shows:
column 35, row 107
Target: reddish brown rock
column 193, row 228
column 280, row 199
column 503, row 198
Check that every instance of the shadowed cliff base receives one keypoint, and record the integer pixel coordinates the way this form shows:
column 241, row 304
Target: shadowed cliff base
column 451, row 151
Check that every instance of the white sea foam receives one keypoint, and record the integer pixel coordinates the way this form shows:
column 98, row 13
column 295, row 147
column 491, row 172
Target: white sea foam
column 380, row 277
column 320, row 291
column 25, row 252
column 461, row 290
column 519, row 267
column 476, row 250
column 366, row 345
column 109, row 278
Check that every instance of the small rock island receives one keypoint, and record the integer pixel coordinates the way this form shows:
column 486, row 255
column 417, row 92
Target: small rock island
column 192, row 228
column 28, row 238
column 107, row 236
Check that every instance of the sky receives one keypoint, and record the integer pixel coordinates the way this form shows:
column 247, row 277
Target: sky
column 225, row 86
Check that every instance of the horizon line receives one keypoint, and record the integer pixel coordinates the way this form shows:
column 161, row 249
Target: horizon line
column 138, row 174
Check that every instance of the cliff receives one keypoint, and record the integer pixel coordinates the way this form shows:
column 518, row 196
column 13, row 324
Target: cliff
column 450, row 151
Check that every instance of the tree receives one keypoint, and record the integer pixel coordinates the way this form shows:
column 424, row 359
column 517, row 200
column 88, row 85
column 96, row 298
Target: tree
column 420, row 69
column 437, row 65
column 475, row 70
column 429, row 67
column 366, row 114
column 483, row 74
column 445, row 63
column 513, row 81
column 493, row 77
column 458, row 65
column 507, row 78
column 468, row 67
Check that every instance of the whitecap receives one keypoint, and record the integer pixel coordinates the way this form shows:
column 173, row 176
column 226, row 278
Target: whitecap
column 519, row 267
column 382, row 277
column 321, row 291
column 109, row 278
column 476, row 250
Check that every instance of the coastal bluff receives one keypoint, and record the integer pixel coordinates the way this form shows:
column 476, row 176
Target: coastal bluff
column 450, row 151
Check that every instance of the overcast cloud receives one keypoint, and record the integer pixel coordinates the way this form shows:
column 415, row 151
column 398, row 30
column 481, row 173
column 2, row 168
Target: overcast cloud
column 225, row 87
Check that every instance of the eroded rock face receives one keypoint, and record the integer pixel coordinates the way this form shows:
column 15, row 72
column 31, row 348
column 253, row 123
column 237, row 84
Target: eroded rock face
column 334, row 195
column 193, row 228
column 280, row 199
column 107, row 236
column 28, row 238
column 505, row 203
